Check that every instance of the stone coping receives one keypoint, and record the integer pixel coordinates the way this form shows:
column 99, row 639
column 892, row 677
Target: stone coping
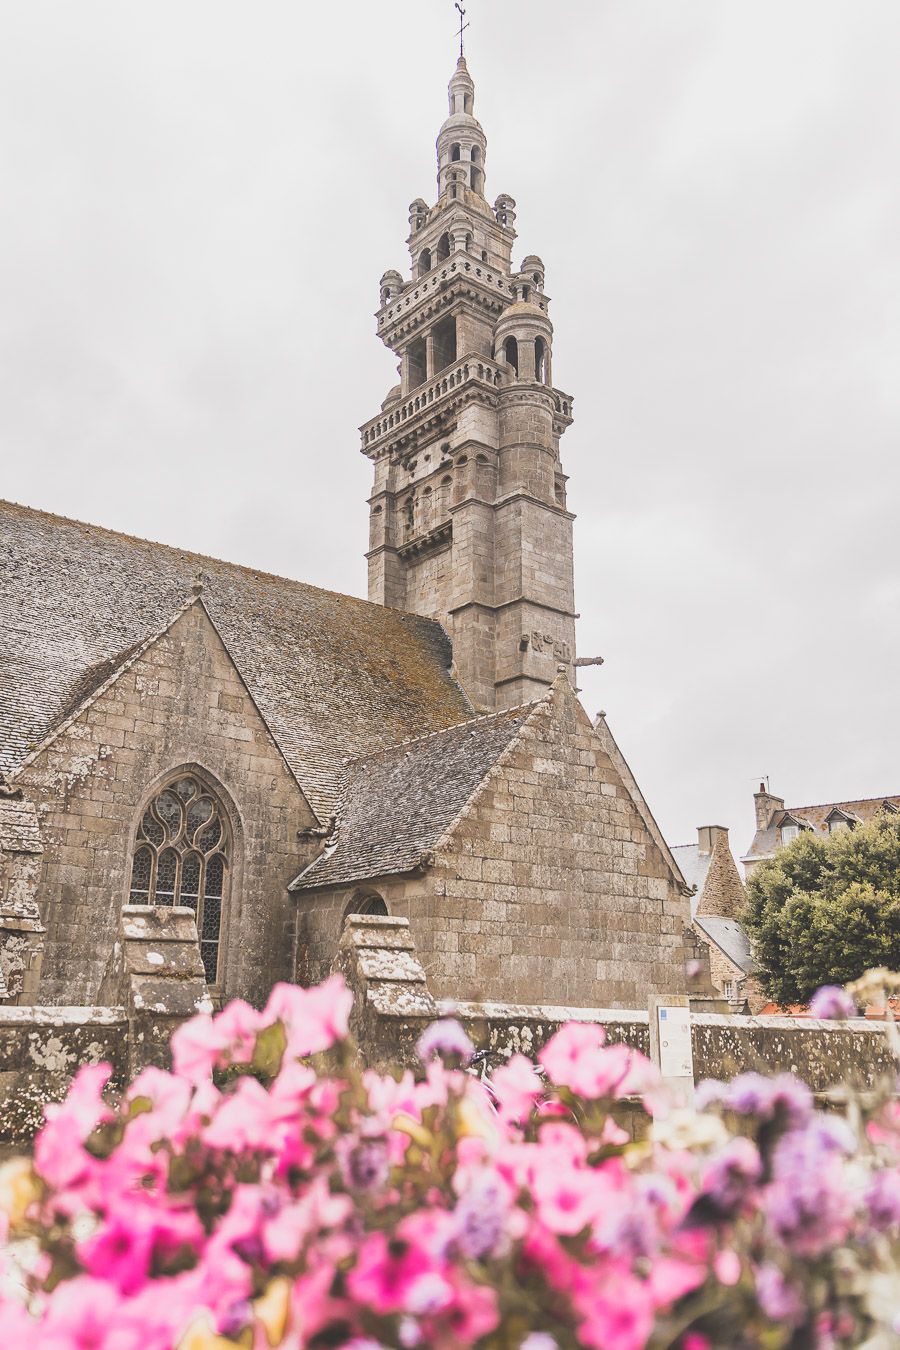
column 51, row 1015
column 534, row 1012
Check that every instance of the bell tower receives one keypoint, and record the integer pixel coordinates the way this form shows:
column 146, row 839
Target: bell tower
column 468, row 518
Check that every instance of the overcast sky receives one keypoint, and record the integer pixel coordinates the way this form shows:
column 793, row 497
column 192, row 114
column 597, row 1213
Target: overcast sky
column 199, row 199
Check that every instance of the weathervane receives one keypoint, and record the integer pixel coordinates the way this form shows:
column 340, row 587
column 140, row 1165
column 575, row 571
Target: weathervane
column 462, row 27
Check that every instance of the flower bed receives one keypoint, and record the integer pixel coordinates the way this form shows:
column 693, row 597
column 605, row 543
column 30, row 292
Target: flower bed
column 269, row 1192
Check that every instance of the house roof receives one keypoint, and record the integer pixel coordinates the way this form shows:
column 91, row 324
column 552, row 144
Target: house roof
column 333, row 676
column 694, row 866
column 729, row 937
column 765, row 841
column 400, row 801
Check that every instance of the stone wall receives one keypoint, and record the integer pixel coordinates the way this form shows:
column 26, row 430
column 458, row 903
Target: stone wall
column 21, row 929
column 821, row 1053
column 380, row 963
column 40, row 1051
column 549, row 887
column 179, row 703
column 154, row 980
column 155, row 971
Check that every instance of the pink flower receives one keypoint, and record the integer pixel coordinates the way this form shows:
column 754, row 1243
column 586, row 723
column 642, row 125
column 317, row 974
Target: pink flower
column 243, row 1121
column 616, row 1312
column 314, row 1019
column 517, row 1087
column 472, row 1315
column 577, row 1058
column 196, row 1047
column 670, row 1279
column 58, row 1153
column 567, row 1199
column 384, row 1273
column 727, row 1266
column 564, row 1054
column 80, row 1315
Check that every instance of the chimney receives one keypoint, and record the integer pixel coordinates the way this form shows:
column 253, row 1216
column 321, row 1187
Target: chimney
column 707, row 836
column 766, row 805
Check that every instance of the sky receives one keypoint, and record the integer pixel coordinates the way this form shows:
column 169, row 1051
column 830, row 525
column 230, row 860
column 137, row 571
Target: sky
column 199, row 199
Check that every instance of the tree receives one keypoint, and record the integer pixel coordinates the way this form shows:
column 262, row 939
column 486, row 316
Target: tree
column 825, row 909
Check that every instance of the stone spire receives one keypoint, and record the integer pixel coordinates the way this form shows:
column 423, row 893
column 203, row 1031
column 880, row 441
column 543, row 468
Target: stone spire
column 461, row 142
column 468, row 516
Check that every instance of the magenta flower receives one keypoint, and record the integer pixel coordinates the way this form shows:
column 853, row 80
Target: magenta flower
column 385, row 1272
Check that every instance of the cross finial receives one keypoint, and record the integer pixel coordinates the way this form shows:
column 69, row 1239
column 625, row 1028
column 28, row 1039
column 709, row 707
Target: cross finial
column 462, row 26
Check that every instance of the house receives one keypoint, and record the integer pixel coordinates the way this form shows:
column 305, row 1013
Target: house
column 777, row 825
column 717, row 901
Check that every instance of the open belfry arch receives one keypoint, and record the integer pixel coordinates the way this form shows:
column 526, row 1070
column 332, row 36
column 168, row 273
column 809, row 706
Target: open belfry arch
column 468, row 518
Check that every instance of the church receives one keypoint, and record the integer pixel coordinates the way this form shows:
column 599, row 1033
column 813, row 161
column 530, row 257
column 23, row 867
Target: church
column 178, row 730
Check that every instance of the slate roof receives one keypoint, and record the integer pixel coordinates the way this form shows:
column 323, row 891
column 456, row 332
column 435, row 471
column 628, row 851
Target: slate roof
column 729, row 937
column 399, row 802
column 765, row 842
column 334, row 676
column 694, row 866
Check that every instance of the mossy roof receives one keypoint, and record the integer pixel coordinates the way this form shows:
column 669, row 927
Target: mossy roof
column 335, row 677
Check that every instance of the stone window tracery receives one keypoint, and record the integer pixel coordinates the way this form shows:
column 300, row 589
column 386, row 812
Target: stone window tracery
column 181, row 857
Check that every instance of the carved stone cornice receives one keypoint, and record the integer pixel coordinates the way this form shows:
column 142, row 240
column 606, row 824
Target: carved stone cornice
column 432, row 542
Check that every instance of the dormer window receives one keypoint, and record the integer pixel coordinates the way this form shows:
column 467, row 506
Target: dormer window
column 789, row 833
column 838, row 819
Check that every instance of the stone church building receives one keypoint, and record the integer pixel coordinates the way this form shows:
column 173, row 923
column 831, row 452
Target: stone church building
column 180, row 730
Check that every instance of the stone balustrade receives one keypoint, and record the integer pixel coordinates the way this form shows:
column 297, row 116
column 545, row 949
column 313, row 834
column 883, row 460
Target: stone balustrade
column 464, row 371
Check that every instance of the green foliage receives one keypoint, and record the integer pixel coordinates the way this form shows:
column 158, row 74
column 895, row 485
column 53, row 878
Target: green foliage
column 826, row 908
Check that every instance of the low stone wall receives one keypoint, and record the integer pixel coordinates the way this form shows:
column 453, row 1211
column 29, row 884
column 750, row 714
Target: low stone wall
column 154, row 981
column 378, row 959
column 821, row 1053
column 40, row 1050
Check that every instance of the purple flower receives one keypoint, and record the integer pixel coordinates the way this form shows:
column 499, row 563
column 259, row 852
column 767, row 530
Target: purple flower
column 539, row 1340
column 480, row 1216
column 429, row 1294
column 237, row 1317
column 409, row 1333
column 732, row 1175
column 364, row 1164
column 445, row 1037
column 882, row 1201
column 752, row 1094
column 831, row 1002
column 779, row 1300
column 808, row 1204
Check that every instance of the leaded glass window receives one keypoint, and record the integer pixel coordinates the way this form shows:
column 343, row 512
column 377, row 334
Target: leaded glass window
column 181, row 857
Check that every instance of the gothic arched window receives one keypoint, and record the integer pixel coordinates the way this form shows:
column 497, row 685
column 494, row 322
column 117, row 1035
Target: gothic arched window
column 181, row 857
